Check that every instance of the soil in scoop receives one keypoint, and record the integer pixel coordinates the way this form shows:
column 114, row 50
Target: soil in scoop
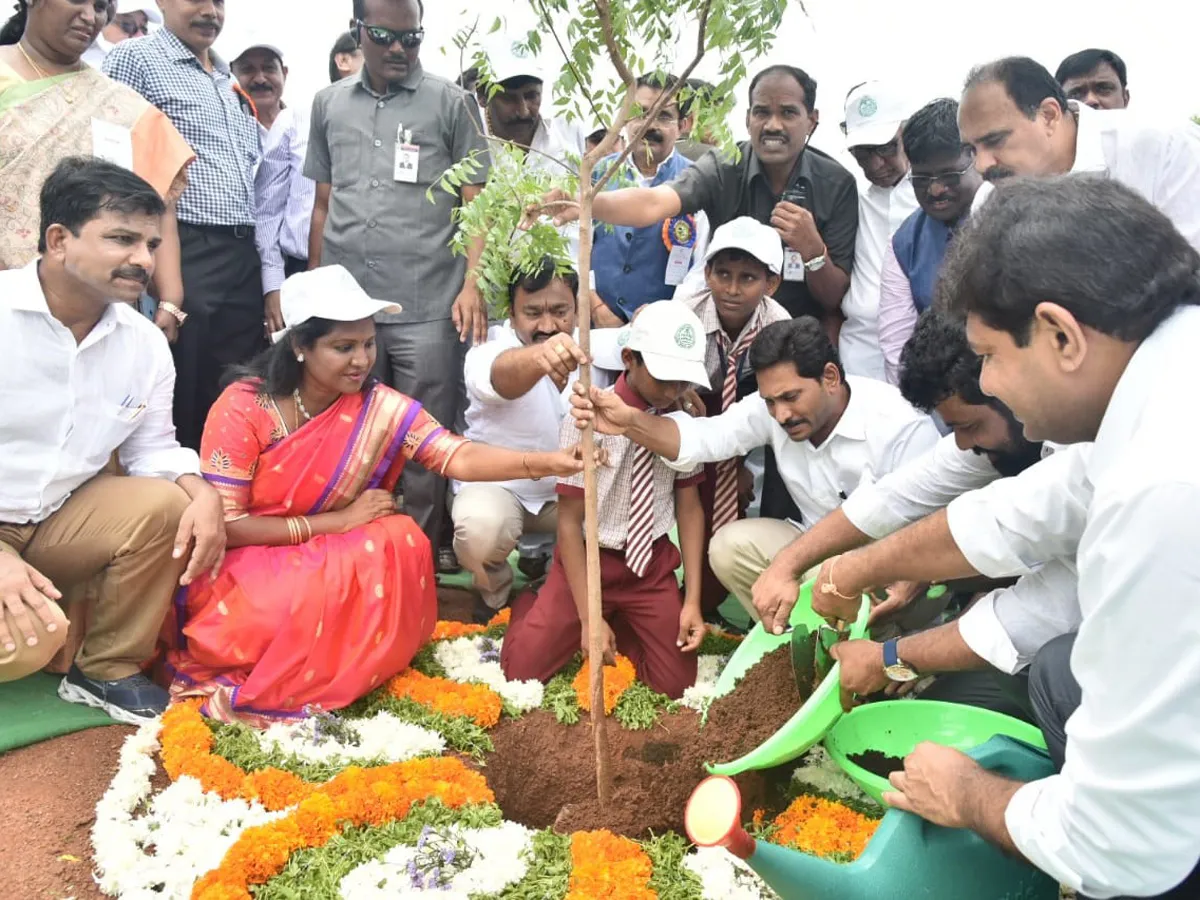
column 544, row 774
column 877, row 763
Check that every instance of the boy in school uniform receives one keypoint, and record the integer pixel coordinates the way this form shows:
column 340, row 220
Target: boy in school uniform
column 640, row 499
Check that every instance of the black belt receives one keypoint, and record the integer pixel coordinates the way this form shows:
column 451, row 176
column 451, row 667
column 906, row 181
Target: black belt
column 241, row 232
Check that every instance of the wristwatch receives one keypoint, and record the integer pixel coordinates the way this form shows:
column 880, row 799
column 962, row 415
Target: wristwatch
column 174, row 311
column 817, row 263
column 895, row 668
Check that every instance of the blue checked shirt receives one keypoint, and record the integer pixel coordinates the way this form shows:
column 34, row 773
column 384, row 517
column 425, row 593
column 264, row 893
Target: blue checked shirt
column 205, row 110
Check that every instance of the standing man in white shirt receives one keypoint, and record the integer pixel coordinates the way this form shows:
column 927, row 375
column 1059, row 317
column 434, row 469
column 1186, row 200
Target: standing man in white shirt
column 285, row 197
column 1084, row 341
column 830, row 433
column 95, row 377
column 1019, row 121
column 875, row 114
column 132, row 20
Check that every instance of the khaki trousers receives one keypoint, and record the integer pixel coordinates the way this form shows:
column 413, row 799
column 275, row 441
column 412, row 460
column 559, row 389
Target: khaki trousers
column 740, row 552
column 488, row 522
column 110, row 541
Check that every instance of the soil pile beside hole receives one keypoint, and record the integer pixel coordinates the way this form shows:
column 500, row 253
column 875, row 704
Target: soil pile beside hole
column 877, row 763
column 760, row 704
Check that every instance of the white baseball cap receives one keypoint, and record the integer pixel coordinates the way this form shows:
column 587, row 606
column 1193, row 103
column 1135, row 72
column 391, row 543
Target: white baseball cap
column 874, row 113
column 507, row 60
column 326, row 293
column 670, row 338
column 744, row 233
column 246, row 46
column 149, row 7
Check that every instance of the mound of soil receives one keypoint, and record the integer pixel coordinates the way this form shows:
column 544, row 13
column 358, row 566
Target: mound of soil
column 544, row 774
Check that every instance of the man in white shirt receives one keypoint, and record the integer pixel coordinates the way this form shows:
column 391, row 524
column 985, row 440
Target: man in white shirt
column 285, row 197
column 1019, row 121
column 132, row 20
column 875, row 113
column 515, row 389
column 1084, row 341
column 830, row 433
column 96, row 377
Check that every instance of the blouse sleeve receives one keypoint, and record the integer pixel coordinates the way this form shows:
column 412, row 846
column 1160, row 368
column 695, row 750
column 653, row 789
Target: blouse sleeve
column 429, row 444
column 231, row 446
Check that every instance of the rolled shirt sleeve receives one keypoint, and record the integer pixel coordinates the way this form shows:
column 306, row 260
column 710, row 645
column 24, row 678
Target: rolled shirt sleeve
column 152, row 451
column 743, row 427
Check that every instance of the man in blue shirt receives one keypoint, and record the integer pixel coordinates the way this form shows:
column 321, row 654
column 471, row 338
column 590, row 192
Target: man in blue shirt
column 636, row 266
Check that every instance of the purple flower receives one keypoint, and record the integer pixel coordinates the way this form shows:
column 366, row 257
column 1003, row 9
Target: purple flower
column 424, row 838
column 448, row 854
column 414, row 876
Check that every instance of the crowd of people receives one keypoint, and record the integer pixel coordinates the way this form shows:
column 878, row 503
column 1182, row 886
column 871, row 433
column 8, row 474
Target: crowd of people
column 237, row 321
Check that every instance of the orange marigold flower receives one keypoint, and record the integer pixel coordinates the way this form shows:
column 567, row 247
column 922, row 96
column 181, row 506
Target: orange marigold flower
column 501, row 618
column 211, row 889
column 275, row 789
column 476, row 701
column 605, row 866
column 617, row 680
column 444, row 631
column 823, row 828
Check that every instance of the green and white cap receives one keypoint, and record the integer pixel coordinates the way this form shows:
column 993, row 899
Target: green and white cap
column 670, row 338
column 875, row 111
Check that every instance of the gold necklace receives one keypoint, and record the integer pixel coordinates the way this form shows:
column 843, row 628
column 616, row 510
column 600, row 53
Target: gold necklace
column 300, row 407
column 38, row 69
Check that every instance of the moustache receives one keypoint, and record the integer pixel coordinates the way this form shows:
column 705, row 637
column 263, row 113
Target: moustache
column 794, row 423
column 396, row 60
column 205, row 23
column 540, row 337
column 654, row 135
column 998, row 173
column 261, row 87
column 133, row 273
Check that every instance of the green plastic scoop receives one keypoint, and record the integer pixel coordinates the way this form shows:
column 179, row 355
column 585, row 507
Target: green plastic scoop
column 818, row 714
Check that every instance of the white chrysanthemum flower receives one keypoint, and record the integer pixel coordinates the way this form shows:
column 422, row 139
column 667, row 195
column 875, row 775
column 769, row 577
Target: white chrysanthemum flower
column 383, row 736
column 703, row 692
column 477, row 659
column 820, row 772
column 725, row 877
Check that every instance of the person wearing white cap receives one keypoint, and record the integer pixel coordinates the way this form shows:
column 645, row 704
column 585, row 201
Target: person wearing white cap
column 261, row 73
column 326, row 591
column 830, row 432
column 132, row 20
column 640, row 500
column 875, row 113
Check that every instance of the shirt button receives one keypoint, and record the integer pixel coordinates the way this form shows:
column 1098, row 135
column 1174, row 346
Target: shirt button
column 371, row 223
column 629, row 235
column 621, row 302
column 370, row 263
column 374, row 182
column 378, row 143
column 380, row 104
column 628, row 268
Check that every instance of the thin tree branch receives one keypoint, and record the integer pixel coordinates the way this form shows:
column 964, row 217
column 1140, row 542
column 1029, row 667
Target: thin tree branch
column 548, row 22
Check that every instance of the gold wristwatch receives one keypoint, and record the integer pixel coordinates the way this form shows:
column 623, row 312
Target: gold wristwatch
column 174, row 311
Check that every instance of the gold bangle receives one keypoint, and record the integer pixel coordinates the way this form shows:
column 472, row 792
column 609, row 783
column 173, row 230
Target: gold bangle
column 293, row 531
column 307, row 528
column 830, row 588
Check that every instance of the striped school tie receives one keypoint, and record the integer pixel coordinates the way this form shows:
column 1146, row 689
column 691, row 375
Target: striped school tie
column 640, row 539
column 725, row 495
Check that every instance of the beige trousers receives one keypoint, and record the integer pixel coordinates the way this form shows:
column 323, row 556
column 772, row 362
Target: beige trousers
column 111, row 543
column 488, row 522
column 740, row 551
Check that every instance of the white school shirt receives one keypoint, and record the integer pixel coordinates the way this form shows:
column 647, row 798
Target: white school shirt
column 66, row 406
column 530, row 422
column 1160, row 160
column 1123, row 816
column 878, row 432
column 880, row 212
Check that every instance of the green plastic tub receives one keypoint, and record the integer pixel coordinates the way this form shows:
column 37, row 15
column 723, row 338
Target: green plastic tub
column 815, row 717
column 895, row 727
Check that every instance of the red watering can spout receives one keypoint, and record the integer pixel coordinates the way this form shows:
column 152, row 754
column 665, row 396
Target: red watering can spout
column 714, row 817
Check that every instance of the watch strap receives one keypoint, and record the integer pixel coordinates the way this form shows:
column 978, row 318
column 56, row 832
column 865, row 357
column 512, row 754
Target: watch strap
column 891, row 655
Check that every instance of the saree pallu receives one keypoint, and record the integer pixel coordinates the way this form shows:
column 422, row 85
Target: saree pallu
column 284, row 631
column 43, row 122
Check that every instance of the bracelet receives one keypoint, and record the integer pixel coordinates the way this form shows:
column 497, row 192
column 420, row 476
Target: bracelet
column 293, row 536
column 830, row 588
column 528, row 470
column 308, row 532
column 172, row 310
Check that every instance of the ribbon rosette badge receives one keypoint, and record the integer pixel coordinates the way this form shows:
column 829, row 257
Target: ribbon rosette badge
column 679, row 232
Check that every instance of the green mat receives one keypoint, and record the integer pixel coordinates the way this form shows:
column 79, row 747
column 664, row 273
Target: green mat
column 30, row 711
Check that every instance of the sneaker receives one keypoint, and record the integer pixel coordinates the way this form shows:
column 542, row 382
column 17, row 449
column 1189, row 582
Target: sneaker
column 134, row 700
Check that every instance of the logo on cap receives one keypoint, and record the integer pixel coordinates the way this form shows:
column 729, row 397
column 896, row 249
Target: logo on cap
column 623, row 337
column 685, row 337
column 867, row 107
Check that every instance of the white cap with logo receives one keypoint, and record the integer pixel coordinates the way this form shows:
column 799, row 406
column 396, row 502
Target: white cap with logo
column 148, row 7
column 744, row 233
column 506, row 60
column 670, row 338
column 326, row 293
column 874, row 113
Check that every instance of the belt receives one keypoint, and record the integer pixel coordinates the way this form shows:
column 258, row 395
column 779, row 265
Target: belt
column 241, row 232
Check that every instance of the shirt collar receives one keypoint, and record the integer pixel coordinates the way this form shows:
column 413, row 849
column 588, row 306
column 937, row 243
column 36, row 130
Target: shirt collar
column 411, row 82
column 28, row 296
column 178, row 51
column 1089, row 141
column 658, row 171
column 623, row 390
column 754, row 169
column 711, row 319
column 853, row 424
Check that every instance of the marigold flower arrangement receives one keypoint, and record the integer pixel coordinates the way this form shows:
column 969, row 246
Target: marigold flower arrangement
column 607, row 867
column 476, row 701
column 617, row 680
column 444, row 631
column 822, row 828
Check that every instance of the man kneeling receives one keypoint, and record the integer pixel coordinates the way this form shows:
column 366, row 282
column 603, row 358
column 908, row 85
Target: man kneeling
column 90, row 376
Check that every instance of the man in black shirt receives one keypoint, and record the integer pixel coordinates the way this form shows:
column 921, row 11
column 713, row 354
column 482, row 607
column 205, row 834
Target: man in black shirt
column 808, row 198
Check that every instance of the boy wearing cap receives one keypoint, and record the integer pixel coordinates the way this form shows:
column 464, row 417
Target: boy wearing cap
column 640, row 499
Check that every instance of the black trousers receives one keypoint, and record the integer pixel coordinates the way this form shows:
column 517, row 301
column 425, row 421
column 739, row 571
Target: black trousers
column 222, row 284
column 1055, row 695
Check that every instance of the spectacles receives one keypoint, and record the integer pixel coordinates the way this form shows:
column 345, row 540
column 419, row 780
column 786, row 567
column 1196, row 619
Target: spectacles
column 883, row 151
column 948, row 180
column 132, row 27
column 664, row 117
column 385, row 37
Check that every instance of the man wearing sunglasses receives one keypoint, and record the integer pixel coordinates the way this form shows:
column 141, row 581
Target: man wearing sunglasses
column 377, row 143
column 875, row 111
column 945, row 181
column 133, row 19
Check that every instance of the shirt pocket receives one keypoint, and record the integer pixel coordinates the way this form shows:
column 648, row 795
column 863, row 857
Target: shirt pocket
column 110, row 424
column 345, row 156
column 435, row 156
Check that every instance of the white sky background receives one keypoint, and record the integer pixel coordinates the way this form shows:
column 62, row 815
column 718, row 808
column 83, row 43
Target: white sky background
column 927, row 44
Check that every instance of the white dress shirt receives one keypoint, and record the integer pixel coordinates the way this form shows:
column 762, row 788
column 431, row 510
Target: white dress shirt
column 880, row 212
column 64, row 407
column 285, row 197
column 878, row 432
column 1161, row 161
column 1123, row 816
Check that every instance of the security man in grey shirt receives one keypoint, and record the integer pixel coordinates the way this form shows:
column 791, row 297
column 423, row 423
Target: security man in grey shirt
column 377, row 143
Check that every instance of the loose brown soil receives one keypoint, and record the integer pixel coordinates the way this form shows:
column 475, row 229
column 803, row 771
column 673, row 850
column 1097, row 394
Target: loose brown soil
column 877, row 763
column 765, row 698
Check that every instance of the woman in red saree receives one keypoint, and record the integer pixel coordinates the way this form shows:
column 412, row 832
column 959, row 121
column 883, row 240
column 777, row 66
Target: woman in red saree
column 325, row 592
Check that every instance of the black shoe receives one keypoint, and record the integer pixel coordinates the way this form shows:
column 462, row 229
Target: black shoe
column 533, row 567
column 133, row 700
column 447, row 562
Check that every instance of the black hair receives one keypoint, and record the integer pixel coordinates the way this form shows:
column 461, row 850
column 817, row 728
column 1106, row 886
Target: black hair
column 1025, row 80
column 1070, row 240
column 598, row 135
column 15, row 26
column 1086, row 61
column 937, row 363
column 932, row 133
column 360, row 9
column 699, row 91
column 469, row 79
column 662, row 81
column 801, row 342
column 346, row 43
column 737, row 254
column 806, row 82
column 276, row 370
column 81, row 187
column 540, row 279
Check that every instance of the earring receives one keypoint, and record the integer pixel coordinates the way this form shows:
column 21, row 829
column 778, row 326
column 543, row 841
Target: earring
column 300, row 358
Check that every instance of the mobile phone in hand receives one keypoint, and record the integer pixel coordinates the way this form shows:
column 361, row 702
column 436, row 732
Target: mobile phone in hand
column 797, row 194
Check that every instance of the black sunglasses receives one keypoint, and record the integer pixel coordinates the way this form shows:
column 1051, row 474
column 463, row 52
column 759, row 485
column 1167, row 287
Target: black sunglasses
column 132, row 27
column 948, row 180
column 385, row 37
